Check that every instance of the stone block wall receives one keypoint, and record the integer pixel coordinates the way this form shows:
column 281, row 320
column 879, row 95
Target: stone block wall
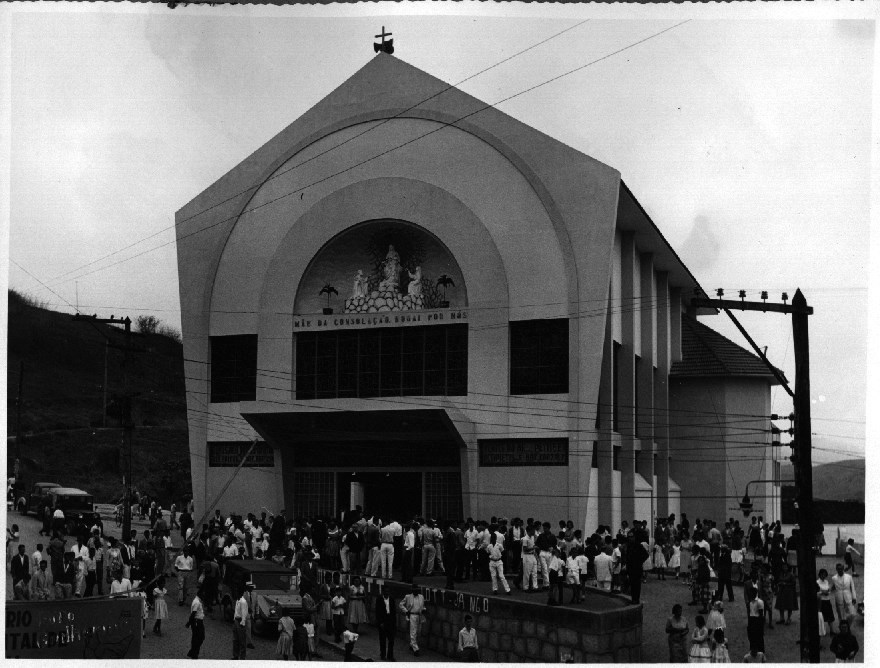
column 516, row 631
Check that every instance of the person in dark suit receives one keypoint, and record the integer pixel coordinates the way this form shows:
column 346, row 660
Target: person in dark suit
column 386, row 620
column 20, row 565
column 636, row 555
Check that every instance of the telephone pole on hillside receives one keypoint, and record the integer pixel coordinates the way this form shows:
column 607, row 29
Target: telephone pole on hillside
column 127, row 424
column 802, row 447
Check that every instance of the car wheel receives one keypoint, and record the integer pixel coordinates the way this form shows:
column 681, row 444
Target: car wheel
column 259, row 626
column 227, row 609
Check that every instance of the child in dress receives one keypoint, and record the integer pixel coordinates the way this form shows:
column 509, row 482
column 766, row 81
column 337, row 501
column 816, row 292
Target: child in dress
column 357, row 610
column 675, row 559
column 719, row 647
column 145, row 610
column 700, row 652
column 659, row 562
column 716, row 617
column 310, row 630
column 160, row 607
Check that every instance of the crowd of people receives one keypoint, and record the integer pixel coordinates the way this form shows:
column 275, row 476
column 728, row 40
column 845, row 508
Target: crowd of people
column 531, row 555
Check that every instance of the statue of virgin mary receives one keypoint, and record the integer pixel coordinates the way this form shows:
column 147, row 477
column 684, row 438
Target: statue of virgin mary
column 390, row 270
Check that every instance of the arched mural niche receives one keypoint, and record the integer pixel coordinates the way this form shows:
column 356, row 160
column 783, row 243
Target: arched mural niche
column 381, row 266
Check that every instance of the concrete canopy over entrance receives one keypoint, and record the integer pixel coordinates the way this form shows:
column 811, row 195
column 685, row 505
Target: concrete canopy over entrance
column 394, row 463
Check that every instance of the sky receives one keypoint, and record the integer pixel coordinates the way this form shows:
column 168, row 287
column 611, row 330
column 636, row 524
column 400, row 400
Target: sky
column 747, row 139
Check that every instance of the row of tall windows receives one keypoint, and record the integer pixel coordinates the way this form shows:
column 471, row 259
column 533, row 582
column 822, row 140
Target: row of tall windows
column 388, row 362
column 394, row 362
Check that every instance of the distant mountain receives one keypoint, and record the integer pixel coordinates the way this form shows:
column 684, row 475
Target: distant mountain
column 836, row 481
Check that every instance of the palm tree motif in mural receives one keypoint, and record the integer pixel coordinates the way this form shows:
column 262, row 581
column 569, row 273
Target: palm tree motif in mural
column 445, row 281
column 328, row 289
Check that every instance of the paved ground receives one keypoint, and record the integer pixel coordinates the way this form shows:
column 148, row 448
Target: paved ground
column 657, row 597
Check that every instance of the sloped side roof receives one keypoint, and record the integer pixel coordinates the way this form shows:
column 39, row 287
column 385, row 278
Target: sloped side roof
column 705, row 352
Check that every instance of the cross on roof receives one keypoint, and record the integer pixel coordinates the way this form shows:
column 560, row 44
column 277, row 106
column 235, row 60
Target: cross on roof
column 387, row 47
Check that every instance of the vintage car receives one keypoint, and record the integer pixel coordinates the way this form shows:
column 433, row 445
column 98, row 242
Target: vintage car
column 275, row 591
column 31, row 503
column 78, row 508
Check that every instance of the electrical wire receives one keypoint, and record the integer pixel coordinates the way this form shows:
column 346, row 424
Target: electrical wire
column 443, row 125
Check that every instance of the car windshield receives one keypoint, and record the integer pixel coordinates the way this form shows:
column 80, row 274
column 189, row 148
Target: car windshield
column 75, row 503
column 277, row 581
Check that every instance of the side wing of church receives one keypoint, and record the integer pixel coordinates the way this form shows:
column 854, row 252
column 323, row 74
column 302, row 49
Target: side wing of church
column 416, row 303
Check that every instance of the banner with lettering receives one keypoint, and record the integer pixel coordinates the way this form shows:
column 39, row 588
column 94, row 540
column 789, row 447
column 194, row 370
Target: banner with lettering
column 74, row 629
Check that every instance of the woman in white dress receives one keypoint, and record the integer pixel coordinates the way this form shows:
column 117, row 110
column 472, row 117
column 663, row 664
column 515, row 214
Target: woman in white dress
column 160, row 607
column 675, row 559
column 659, row 562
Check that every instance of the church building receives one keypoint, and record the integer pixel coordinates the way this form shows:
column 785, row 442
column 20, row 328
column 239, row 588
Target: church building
column 411, row 301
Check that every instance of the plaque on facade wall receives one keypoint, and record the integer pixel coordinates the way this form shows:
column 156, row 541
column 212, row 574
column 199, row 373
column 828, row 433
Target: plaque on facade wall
column 229, row 454
column 523, row 452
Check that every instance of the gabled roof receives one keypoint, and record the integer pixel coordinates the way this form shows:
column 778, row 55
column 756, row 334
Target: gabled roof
column 705, row 352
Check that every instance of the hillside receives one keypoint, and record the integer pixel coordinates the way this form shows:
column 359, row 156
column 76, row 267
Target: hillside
column 836, row 481
column 61, row 412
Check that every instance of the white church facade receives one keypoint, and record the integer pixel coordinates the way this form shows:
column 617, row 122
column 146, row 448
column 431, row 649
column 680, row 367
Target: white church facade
column 415, row 302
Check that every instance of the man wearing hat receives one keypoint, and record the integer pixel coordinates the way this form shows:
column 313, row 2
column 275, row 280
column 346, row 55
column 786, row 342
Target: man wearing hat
column 251, row 599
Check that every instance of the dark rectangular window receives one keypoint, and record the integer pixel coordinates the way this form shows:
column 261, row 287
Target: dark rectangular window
column 539, row 356
column 615, row 386
column 233, row 368
column 637, row 369
column 594, row 463
column 443, row 494
column 385, row 362
column 312, row 494
column 615, row 458
column 229, row 454
column 523, row 451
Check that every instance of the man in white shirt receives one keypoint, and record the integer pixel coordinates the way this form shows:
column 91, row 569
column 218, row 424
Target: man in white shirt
column 409, row 554
column 471, row 535
column 413, row 606
column 239, row 619
column 183, row 566
column 496, row 566
column 120, row 585
column 529, row 561
column 616, row 559
column 603, row 565
column 197, row 622
column 386, row 551
column 468, row 646
column 426, row 540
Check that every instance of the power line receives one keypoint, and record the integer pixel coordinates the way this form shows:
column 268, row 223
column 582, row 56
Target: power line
column 443, row 125
column 332, row 148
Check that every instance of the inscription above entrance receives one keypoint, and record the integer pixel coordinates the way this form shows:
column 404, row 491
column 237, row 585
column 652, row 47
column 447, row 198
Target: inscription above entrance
column 374, row 320
column 523, row 452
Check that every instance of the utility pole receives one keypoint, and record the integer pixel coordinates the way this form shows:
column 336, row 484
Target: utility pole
column 803, row 467
column 127, row 424
column 802, row 446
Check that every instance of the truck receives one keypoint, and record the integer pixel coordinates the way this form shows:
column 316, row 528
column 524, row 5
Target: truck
column 31, row 502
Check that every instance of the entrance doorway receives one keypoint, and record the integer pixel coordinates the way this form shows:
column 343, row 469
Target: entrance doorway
column 396, row 495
